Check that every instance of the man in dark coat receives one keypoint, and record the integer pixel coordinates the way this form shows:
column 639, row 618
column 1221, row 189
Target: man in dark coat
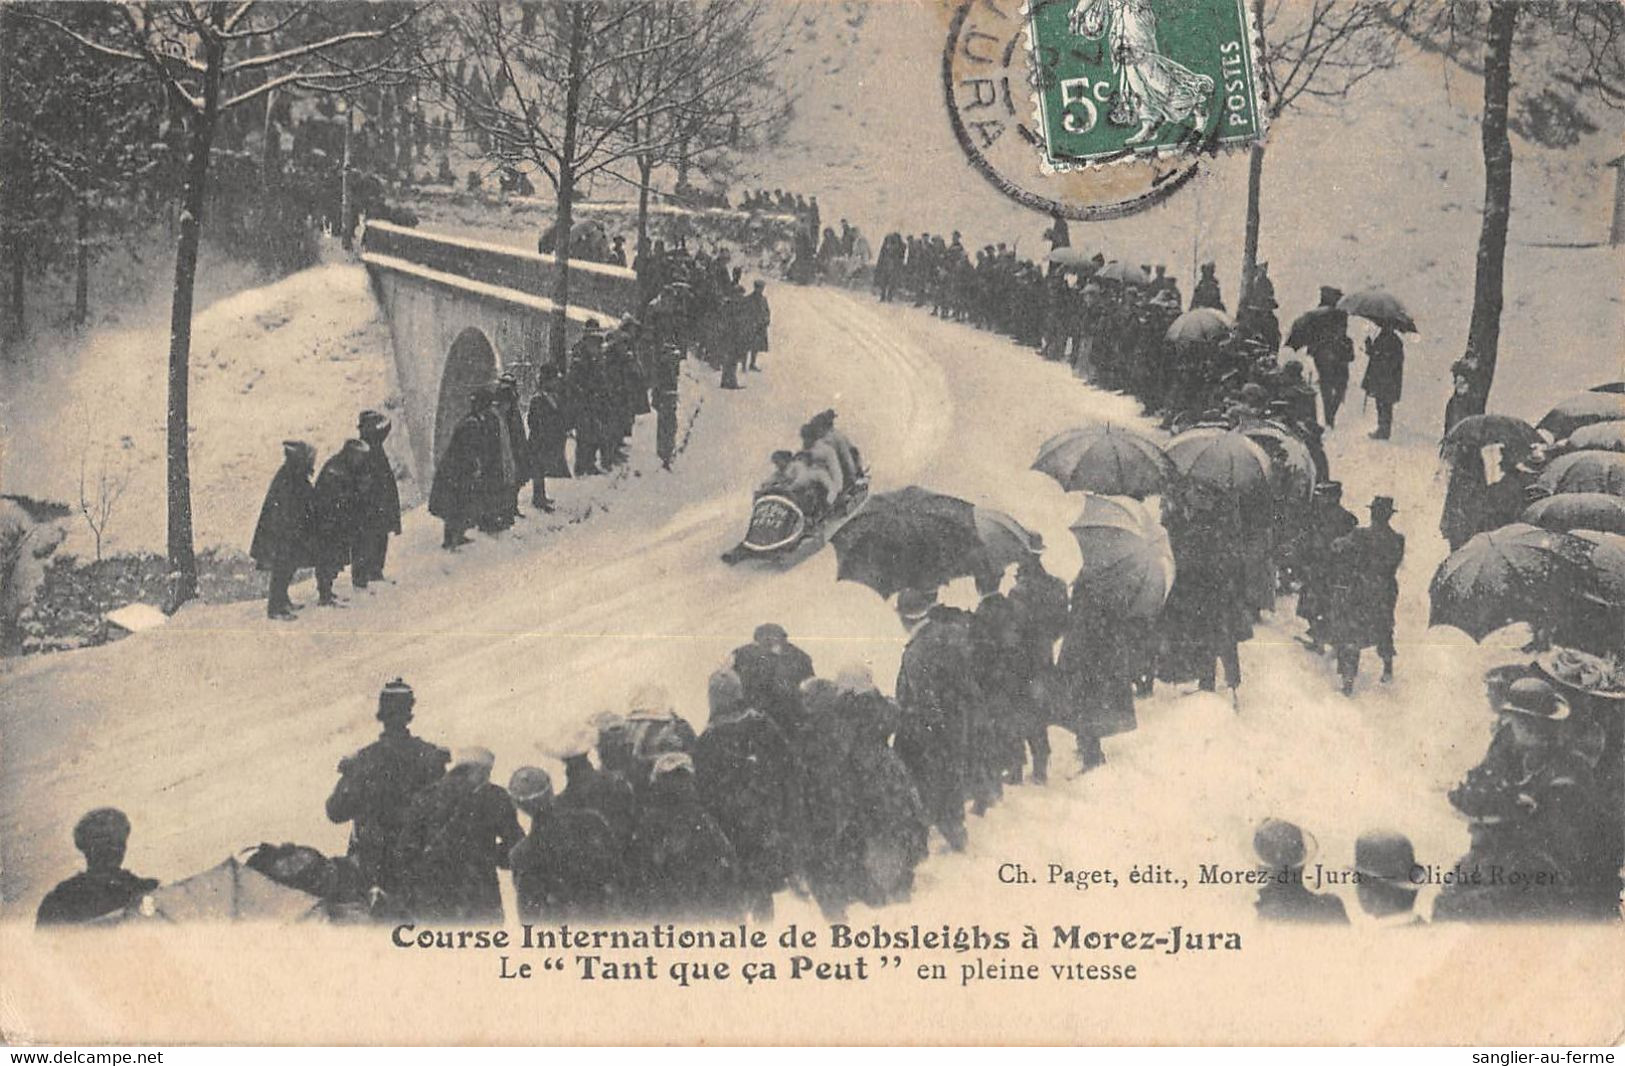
column 731, row 334
column 1206, row 293
column 939, row 696
column 569, row 864
column 756, row 318
column 549, row 429
column 1206, row 615
column 340, row 498
column 1332, row 353
column 454, row 497
column 105, row 887
column 887, row 830
column 284, row 536
column 380, row 512
column 457, row 832
column 680, row 864
column 603, row 791
column 772, row 670
column 1384, row 376
column 377, row 784
column 667, row 375
column 749, row 779
column 1286, row 849
column 588, row 390
column 1328, row 521
column 1040, row 602
column 1366, row 566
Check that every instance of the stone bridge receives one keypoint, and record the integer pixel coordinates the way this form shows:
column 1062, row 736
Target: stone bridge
column 463, row 311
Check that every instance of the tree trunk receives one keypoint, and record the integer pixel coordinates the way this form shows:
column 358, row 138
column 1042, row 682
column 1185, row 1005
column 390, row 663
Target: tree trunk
column 564, row 211
column 267, row 132
column 1484, row 330
column 182, row 556
column 645, row 174
column 14, row 195
column 1249, row 246
column 81, row 278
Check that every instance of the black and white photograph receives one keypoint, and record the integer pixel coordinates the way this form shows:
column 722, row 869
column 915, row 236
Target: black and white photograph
column 872, row 521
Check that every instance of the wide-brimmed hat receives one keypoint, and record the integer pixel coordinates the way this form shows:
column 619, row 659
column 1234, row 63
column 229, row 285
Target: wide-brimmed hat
column 1385, row 855
column 474, row 756
column 1531, row 697
column 1282, row 844
column 1383, row 505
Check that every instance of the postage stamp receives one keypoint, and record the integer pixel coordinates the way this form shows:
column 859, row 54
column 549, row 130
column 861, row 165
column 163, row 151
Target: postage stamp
column 1118, row 78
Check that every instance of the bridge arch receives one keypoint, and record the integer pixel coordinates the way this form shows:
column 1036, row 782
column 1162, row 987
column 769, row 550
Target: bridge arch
column 471, row 361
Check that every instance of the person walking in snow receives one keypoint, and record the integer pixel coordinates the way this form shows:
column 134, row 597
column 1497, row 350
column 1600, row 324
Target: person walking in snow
column 283, row 537
column 380, row 511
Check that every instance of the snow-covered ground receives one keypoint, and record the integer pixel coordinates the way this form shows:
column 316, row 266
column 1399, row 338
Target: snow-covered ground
column 221, row 730
column 298, row 358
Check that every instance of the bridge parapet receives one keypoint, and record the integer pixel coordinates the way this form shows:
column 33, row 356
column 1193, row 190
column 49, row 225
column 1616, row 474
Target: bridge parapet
column 593, row 286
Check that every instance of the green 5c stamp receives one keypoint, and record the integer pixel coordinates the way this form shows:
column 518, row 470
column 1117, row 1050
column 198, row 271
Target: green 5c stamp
column 1116, row 79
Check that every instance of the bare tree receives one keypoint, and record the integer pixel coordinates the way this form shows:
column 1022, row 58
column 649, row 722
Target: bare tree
column 1312, row 50
column 213, row 57
column 1571, row 51
column 99, row 499
column 721, row 78
column 574, row 88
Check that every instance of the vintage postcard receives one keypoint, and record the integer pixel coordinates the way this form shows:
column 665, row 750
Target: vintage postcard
column 740, row 521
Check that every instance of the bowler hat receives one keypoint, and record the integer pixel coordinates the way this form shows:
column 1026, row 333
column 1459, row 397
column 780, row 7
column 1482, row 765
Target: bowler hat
column 1532, row 697
column 1383, row 505
column 916, row 603
column 1283, row 844
column 1384, row 855
column 530, row 784
column 769, row 631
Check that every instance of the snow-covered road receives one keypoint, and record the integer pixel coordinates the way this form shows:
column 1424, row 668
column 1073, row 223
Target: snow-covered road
column 221, row 730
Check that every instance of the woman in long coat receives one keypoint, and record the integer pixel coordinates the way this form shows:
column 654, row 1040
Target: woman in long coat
column 550, row 423
column 1102, row 653
column 1207, row 614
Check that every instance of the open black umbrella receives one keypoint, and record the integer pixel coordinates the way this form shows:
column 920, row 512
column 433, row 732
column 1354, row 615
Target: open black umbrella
column 1004, row 540
column 1597, row 437
column 1582, row 409
column 1517, row 573
column 1292, row 464
column 1106, row 459
column 1224, row 462
column 1115, row 270
column 1584, row 472
column 1607, row 563
column 1127, row 561
column 911, row 538
column 1310, row 326
column 1199, row 325
column 1380, row 307
column 1481, row 431
column 1578, row 510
